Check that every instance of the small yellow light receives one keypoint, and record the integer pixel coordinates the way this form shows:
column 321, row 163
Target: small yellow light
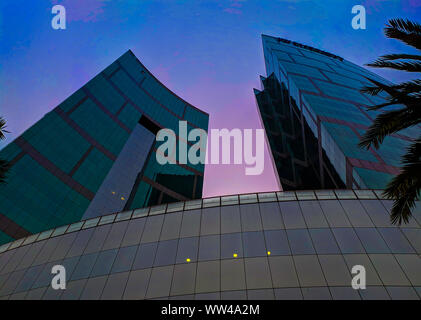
column 188, row 259
column 113, row 192
column 268, row 253
column 122, row 198
column 235, row 255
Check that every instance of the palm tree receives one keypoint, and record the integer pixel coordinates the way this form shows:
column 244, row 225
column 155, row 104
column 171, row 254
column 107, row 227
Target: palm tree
column 405, row 187
column 4, row 165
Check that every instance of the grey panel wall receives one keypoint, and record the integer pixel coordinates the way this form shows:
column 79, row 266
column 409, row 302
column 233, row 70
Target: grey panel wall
column 200, row 254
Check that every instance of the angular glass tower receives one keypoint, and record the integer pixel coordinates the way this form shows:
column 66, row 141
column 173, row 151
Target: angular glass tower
column 95, row 154
column 314, row 114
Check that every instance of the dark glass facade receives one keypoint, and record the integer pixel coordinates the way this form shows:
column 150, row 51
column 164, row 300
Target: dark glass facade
column 314, row 114
column 95, row 154
column 283, row 245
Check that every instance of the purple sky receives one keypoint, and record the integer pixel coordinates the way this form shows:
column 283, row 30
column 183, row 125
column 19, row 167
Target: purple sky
column 207, row 52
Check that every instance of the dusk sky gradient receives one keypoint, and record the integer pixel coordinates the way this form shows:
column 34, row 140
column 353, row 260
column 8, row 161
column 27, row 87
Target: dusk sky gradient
column 207, row 52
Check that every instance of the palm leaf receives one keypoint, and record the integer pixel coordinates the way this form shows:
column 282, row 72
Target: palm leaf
column 387, row 123
column 398, row 56
column 405, row 31
column 2, row 128
column 405, row 187
column 408, row 66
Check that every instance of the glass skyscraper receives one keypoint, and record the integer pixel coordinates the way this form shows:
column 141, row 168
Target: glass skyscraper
column 314, row 114
column 284, row 245
column 95, row 154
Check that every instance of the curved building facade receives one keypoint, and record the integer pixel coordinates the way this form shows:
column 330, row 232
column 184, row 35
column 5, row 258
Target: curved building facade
column 95, row 154
column 280, row 245
column 314, row 114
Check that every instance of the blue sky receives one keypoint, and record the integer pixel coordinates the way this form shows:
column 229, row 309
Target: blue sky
column 208, row 52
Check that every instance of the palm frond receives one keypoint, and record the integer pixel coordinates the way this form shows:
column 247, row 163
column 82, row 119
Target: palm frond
column 409, row 86
column 2, row 128
column 382, row 87
column 387, row 123
column 404, row 30
column 399, row 56
column 408, row 66
column 405, row 187
column 373, row 90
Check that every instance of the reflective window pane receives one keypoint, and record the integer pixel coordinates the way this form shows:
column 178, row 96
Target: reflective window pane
column 231, row 245
column 115, row 236
column 347, row 240
column 374, row 293
column 134, row 232
column 402, row 293
column 207, row 272
column 137, row 284
column 104, row 262
column 283, row 272
column 414, row 237
column 261, row 294
column 277, row 242
column 377, row 212
column 318, row 293
column 324, row 241
column 313, row 214
column 211, row 220
column 152, row 229
column 145, row 256
column 271, row 216
column 334, row 213
column 389, row 270
column 171, row 226
column 250, row 217
column 209, row 248
column 234, row 295
column 411, row 265
column 254, row 244
column 309, row 271
column 335, row 270
column 288, row 294
column 98, row 238
column 166, row 252
column 344, row 293
column 291, row 215
column 300, row 241
column 395, row 240
column 184, row 278
column 232, row 275
column 257, row 273
column 84, row 266
column 356, row 213
column 372, row 240
column 160, row 282
column 114, row 288
column 190, row 224
column 124, row 259
column 230, row 219
column 187, row 250
column 93, row 288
